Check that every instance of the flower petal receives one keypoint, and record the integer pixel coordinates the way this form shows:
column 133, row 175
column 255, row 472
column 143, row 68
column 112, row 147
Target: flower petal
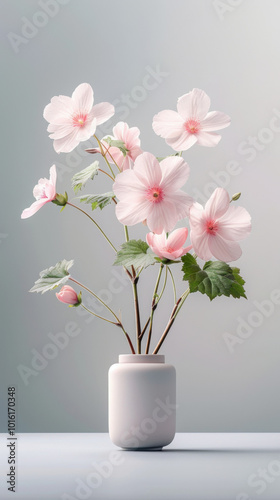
column 84, row 133
column 208, row 139
column 128, row 187
column 194, row 105
column 103, row 112
column 200, row 243
column 148, row 170
column 215, row 120
column 130, row 214
column 175, row 172
column 235, row 224
column 28, row 212
column 156, row 242
column 66, row 144
column 162, row 217
column 182, row 142
column 224, row 250
column 168, row 124
column 197, row 218
column 120, row 130
column 53, row 175
column 218, row 204
column 60, row 131
column 59, row 109
column 83, row 97
column 177, row 238
column 182, row 203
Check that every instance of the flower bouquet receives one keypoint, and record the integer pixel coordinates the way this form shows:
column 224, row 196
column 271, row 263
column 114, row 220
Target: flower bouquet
column 145, row 189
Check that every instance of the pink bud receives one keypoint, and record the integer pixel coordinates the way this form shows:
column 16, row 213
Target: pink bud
column 68, row 295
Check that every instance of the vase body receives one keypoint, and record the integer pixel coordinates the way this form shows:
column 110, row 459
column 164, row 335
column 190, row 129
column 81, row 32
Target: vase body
column 142, row 402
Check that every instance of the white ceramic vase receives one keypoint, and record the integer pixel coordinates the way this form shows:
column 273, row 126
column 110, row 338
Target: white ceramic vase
column 142, row 402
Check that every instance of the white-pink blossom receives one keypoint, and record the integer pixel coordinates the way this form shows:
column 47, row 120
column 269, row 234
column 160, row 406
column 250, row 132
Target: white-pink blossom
column 44, row 192
column 151, row 192
column 170, row 247
column 130, row 138
column 216, row 230
column 74, row 119
column 191, row 123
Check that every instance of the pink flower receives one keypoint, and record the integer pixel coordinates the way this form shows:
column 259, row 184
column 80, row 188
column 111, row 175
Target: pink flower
column 44, row 192
column 169, row 248
column 130, row 138
column 74, row 119
column 68, row 295
column 151, row 191
column 192, row 123
column 216, row 229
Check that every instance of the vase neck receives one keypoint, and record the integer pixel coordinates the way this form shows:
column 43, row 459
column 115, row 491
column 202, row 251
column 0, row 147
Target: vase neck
column 141, row 358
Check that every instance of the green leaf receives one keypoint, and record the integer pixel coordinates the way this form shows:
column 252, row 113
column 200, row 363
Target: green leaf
column 79, row 180
column 215, row 279
column 134, row 253
column 53, row 277
column 98, row 200
column 117, row 144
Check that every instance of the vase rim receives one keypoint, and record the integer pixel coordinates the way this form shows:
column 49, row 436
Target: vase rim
column 141, row 358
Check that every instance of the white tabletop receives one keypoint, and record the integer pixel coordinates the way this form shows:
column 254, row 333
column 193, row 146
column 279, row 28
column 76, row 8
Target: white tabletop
column 193, row 467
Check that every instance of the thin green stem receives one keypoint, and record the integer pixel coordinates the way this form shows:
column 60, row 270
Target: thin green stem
column 159, row 297
column 164, row 285
column 153, row 307
column 136, row 300
column 126, row 234
column 183, row 298
column 104, row 155
column 118, row 323
column 177, row 307
column 97, row 225
column 173, row 284
column 96, row 296
column 100, row 317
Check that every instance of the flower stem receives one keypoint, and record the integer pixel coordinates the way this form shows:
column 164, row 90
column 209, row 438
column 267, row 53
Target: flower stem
column 173, row 284
column 160, row 295
column 97, row 225
column 118, row 323
column 100, row 317
column 134, row 282
column 104, row 156
column 177, row 307
column 153, row 307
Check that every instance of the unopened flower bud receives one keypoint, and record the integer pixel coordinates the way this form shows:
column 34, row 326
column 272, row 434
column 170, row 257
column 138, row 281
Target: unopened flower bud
column 67, row 295
column 236, row 196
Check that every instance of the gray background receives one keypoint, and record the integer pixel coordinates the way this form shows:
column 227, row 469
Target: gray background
column 231, row 50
